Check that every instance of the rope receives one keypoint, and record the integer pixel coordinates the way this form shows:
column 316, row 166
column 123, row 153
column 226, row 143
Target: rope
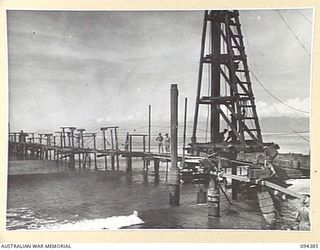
column 300, row 135
column 304, row 16
column 276, row 98
column 295, row 35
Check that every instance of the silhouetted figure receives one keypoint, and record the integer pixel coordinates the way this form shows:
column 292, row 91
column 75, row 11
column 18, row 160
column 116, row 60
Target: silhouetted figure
column 222, row 135
column 231, row 137
column 159, row 140
column 167, row 142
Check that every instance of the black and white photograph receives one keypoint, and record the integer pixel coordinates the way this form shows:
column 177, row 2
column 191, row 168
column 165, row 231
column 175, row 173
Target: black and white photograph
column 159, row 119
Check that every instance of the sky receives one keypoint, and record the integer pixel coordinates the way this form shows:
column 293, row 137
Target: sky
column 100, row 68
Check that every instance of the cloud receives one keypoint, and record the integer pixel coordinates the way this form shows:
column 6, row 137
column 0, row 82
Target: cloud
column 81, row 67
column 278, row 109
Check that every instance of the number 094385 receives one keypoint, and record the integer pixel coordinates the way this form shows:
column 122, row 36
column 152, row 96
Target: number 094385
column 310, row 246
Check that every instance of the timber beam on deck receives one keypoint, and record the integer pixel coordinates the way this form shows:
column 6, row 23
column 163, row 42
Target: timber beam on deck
column 264, row 183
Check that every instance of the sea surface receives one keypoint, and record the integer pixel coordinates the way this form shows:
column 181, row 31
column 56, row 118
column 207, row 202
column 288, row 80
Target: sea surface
column 44, row 195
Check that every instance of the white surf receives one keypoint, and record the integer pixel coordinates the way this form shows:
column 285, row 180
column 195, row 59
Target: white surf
column 114, row 222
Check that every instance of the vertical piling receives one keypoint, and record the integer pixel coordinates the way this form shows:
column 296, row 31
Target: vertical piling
column 40, row 138
column 104, row 147
column 235, row 183
column 174, row 173
column 117, row 147
column 156, row 170
column 69, row 138
column 61, row 144
column 213, row 197
column 95, row 154
column 63, row 135
column 112, row 147
column 112, row 162
column 184, row 128
column 129, row 159
column 72, row 160
column 149, row 130
column 72, row 129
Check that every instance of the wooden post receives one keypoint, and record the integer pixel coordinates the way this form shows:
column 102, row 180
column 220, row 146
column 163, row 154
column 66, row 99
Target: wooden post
column 144, row 144
column 72, row 160
column 95, row 161
column 174, row 173
column 235, row 183
column 213, row 197
column 69, row 138
column 112, row 147
column 106, row 162
column 104, row 146
column 48, row 138
column 156, row 170
column 95, row 154
column 72, row 129
column 117, row 146
column 129, row 159
column 78, row 140
column 112, row 162
column 81, row 137
column 116, row 137
column 129, row 164
column 167, row 168
column 145, row 166
column 40, row 138
column 61, row 144
column 63, row 137
column 130, row 143
column 111, row 135
column 149, row 130
column 184, row 128
column 94, row 141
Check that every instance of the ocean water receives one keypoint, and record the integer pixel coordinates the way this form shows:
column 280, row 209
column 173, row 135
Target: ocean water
column 44, row 195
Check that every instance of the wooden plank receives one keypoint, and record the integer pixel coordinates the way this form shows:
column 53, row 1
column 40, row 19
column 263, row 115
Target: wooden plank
column 236, row 177
column 281, row 189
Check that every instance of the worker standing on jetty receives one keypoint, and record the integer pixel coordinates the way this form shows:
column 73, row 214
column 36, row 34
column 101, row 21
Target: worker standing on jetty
column 303, row 215
column 167, row 141
column 231, row 137
column 222, row 135
column 159, row 140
